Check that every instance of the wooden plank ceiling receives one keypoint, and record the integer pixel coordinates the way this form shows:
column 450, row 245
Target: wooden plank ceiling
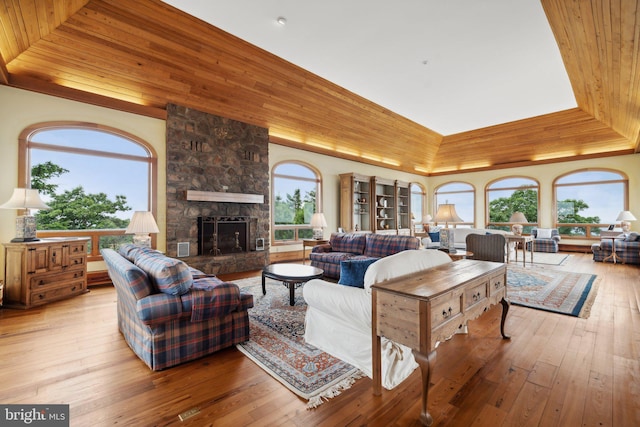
column 140, row 55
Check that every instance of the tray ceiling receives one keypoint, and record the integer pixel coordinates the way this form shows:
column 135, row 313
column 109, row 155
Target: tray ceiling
column 425, row 88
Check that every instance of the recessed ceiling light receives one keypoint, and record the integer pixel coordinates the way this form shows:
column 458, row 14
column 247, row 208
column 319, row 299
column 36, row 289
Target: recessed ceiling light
column 281, row 20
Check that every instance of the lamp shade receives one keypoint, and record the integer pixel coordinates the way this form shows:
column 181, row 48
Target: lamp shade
column 625, row 216
column 24, row 198
column 318, row 220
column 518, row 218
column 447, row 213
column 142, row 222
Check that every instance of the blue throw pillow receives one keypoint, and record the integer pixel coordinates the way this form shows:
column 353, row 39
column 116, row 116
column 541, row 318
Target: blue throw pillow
column 435, row 237
column 352, row 271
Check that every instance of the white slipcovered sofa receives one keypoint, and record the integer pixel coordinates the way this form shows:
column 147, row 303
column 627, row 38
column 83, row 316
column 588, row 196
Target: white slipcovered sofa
column 338, row 319
column 460, row 237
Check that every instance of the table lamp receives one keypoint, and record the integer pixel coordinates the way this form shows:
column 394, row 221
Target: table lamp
column 447, row 213
column 624, row 217
column 518, row 218
column 142, row 223
column 318, row 222
column 25, row 198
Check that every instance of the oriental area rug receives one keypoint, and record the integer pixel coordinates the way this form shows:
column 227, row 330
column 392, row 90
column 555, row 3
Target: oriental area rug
column 277, row 345
column 552, row 290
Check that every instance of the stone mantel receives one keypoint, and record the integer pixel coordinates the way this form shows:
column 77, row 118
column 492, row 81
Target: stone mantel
column 213, row 196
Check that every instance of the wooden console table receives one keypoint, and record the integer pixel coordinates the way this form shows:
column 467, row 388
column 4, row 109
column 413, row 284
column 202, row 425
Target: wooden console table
column 423, row 309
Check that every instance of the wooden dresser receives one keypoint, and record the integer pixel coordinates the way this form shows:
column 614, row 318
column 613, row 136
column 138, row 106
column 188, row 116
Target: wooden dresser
column 46, row 270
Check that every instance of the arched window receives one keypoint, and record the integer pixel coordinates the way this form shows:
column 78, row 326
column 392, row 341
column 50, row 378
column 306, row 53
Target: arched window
column 592, row 198
column 296, row 197
column 508, row 195
column 417, row 205
column 93, row 177
column 460, row 194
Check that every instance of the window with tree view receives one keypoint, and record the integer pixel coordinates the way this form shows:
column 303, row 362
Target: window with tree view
column 509, row 195
column 591, row 198
column 295, row 188
column 92, row 179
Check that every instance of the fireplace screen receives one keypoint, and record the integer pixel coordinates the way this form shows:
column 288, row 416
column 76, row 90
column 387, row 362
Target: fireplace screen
column 222, row 235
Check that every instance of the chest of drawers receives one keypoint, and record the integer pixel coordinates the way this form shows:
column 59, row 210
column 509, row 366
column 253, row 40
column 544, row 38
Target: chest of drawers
column 43, row 271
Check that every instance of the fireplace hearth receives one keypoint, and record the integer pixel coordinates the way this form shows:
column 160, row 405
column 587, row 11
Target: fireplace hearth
column 222, row 235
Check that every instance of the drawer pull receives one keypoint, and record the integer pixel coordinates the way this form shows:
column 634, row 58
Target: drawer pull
column 477, row 296
column 41, row 296
column 41, row 283
column 445, row 314
column 498, row 284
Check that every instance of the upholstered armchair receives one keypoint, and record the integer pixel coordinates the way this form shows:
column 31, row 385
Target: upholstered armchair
column 487, row 247
column 544, row 240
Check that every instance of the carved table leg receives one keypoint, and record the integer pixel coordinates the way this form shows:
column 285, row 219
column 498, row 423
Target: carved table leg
column 426, row 363
column 264, row 288
column 505, row 310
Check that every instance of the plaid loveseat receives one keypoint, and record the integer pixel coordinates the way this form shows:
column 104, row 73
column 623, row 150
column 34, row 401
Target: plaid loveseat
column 627, row 249
column 357, row 246
column 170, row 313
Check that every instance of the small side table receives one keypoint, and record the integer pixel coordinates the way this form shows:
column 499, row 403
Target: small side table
column 614, row 256
column 523, row 240
column 310, row 243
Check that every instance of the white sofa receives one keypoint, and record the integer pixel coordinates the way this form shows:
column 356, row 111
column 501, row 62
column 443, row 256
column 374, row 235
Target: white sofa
column 338, row 319
column 460, row 237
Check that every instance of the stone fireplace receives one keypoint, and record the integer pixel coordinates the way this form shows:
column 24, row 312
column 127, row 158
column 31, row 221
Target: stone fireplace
column 217, row 183
column 221, row 235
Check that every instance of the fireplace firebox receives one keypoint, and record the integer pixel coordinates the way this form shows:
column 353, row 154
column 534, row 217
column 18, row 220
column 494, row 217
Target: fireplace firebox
column 223, row 235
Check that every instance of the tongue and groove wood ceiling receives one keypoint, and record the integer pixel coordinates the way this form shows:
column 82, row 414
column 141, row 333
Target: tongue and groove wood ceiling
column 140, row 55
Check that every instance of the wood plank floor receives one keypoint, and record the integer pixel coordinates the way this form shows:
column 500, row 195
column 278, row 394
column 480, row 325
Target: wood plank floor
column 555, row 371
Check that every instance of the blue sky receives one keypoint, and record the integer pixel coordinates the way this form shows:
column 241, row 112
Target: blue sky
column 97, row 174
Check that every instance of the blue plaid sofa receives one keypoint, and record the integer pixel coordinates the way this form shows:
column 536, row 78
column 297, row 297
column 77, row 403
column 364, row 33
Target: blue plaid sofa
column 627, row 249
column 170, row 313
column 357, row 246
column 545, row 244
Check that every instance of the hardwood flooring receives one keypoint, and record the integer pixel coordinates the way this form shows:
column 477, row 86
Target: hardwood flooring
column 555, row 371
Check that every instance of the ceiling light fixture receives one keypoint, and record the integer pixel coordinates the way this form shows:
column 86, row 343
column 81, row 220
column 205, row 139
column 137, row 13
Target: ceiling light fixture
column 281, row 20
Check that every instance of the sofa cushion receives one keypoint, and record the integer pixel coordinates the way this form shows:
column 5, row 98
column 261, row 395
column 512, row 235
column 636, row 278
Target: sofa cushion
column 169, row 275
column 543, row 233
column 352, row 271
column 632, row 237
column 401, row 264
column 382, row 245
column 348, row 242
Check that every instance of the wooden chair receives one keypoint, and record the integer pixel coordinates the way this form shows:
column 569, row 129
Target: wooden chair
column 487, row 247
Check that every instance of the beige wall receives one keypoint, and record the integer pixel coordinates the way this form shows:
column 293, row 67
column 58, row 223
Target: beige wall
column 331, row 168
column 19, row 109
column 545, row 175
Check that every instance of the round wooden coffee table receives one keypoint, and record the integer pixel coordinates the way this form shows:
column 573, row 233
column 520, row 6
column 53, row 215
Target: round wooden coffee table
column 291, row 275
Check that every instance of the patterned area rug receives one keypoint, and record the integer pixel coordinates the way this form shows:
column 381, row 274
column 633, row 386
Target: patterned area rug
column 552, row 290
column 277, row 345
